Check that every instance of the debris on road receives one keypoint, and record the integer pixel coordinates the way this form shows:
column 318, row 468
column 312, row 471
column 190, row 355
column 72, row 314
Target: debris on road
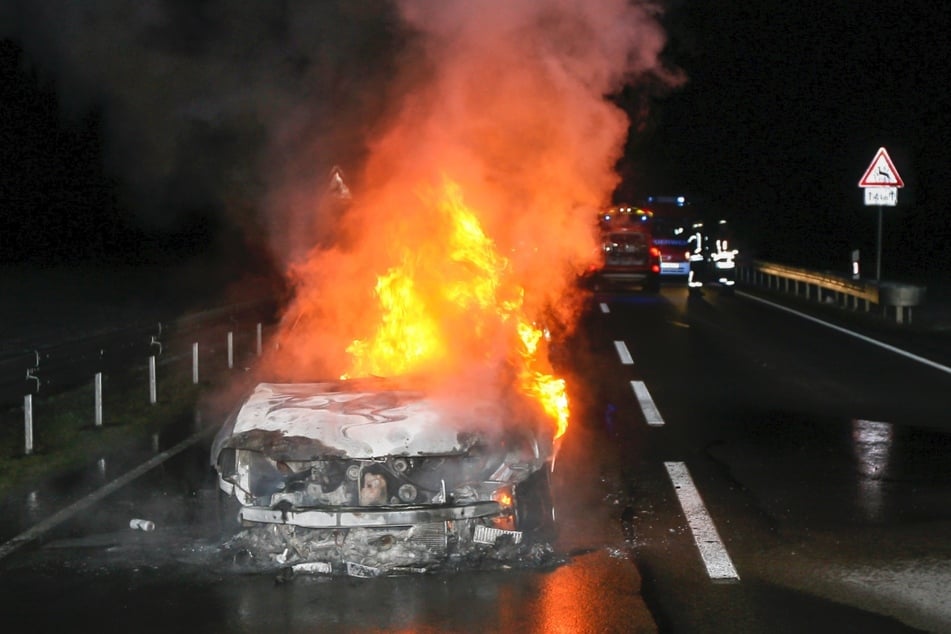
column 141, row 525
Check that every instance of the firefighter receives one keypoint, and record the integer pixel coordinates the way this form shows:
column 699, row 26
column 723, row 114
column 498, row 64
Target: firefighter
column 723, row 258
column 712, row 257
column 696, row 256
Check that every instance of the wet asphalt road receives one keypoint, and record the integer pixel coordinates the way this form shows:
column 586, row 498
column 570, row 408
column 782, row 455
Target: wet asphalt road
column 821, row 459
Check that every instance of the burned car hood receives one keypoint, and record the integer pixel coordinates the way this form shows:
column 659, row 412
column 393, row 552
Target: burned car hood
column 311, row 420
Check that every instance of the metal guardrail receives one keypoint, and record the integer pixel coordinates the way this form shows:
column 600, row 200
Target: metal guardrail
column 843, row 291
column 52, row 369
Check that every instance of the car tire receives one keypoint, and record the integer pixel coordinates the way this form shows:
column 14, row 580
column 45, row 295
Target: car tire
column 652, row 285
column 228, row 507
column 534, row 507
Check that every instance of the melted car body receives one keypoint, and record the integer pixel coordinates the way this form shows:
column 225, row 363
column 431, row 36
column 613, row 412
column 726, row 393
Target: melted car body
column 384, row 461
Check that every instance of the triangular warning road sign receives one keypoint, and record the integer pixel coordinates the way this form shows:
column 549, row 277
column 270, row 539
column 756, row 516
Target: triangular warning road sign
column 882, row 172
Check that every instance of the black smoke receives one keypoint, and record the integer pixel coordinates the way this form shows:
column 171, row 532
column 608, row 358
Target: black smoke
column 156, row 129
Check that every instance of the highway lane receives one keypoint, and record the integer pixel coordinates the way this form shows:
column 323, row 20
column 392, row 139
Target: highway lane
column 92, row 570
column 823, row 460
column 819, row 460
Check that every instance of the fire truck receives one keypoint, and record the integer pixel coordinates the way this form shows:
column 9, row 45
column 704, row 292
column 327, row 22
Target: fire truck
column 628, row 254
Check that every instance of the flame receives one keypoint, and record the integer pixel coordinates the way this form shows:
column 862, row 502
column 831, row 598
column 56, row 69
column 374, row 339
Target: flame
column 548, row 390
column 504, row 102
column 407, row 334
column 458, row 279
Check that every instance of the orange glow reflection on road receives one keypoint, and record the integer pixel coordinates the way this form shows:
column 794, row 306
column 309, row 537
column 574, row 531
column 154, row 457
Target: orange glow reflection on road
column 592, row 594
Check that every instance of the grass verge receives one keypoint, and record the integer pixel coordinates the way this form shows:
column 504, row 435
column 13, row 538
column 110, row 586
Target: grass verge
column 64, row 431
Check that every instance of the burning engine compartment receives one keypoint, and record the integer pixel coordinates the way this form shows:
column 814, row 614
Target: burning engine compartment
column 354, row 478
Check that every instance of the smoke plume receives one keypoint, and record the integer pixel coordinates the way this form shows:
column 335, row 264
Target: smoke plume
column 206, row 104
column 496, row 111
column 503, row 112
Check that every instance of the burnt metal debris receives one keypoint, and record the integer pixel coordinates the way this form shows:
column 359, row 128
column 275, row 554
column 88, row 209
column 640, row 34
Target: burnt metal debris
column 289, row 551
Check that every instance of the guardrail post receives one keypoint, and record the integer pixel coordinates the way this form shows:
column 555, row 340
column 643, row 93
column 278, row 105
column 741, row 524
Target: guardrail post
column 230, row 350
column 259, row 339
column 195, row 363
column 153, row 391
column 28, row 424
column 97, row 387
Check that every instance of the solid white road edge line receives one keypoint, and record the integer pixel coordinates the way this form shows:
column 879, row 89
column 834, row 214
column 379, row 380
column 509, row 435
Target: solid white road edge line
column 64, row 514
column 651, row 413
column 712, row 551
column 623, row 352
column 874, row 342
column 605, row 308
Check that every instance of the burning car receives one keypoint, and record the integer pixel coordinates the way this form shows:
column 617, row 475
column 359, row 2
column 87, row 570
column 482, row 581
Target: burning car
column 370, row 474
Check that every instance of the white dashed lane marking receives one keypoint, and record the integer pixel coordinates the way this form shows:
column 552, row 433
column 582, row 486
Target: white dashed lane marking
column 648, row 407
column 712, row 551
column 623, row 353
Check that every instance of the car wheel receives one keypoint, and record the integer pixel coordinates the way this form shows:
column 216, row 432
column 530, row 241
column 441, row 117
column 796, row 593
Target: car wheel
column 228, row 507
column 534, row 508
column 652, row 285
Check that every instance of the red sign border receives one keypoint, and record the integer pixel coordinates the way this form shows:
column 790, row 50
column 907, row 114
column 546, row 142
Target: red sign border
column 882, row 153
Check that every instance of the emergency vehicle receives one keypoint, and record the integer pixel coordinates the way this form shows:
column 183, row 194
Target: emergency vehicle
column 628, row 255
column 672, row 222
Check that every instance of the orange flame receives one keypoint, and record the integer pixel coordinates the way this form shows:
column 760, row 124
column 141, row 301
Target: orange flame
column 509, row 101
column 548, row 390
column 459, row 280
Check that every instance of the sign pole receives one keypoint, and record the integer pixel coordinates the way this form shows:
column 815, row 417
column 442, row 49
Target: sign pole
column 881, row 183
column 878, row 248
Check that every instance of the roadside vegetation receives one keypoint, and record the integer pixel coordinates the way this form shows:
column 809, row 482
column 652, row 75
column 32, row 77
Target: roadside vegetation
column 65, row 436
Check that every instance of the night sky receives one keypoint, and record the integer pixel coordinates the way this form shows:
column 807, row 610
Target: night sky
column 784, row 107
column 787, row 104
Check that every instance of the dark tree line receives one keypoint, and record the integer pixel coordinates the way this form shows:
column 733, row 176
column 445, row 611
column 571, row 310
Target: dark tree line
column 57, row 203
